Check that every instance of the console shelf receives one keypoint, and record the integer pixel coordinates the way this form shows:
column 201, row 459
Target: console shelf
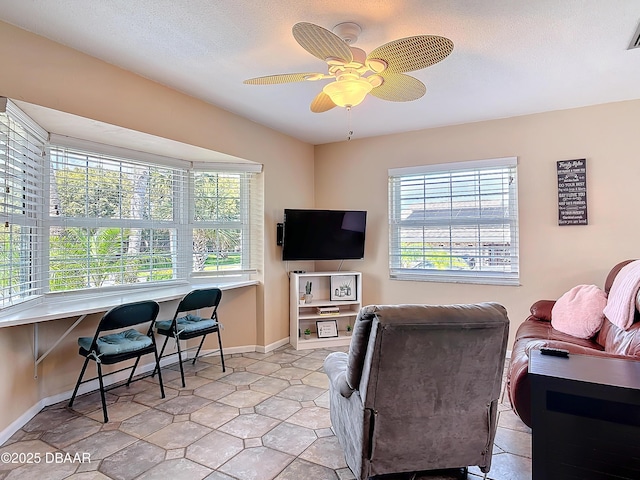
column 326, row 291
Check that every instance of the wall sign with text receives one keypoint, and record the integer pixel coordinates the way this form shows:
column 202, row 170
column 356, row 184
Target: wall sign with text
column 572, row 192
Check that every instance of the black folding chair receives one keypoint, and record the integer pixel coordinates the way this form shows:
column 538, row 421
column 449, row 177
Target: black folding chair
column 120, row 346
column 192, row 326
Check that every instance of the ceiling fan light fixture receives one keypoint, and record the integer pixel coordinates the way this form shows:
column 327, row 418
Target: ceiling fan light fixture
column 348, row 92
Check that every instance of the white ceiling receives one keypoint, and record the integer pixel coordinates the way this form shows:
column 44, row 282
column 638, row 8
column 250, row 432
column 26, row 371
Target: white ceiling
column 511, row 57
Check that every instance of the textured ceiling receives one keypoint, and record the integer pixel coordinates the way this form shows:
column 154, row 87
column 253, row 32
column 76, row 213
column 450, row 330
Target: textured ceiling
column 511, row 57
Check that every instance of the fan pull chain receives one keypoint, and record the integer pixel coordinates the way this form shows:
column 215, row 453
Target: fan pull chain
column 349, row 128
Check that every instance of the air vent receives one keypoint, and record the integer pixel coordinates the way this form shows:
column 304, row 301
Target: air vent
column 635, row 41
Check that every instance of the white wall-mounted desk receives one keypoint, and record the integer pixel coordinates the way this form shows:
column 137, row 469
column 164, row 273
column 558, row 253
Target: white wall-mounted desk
column 78, row 306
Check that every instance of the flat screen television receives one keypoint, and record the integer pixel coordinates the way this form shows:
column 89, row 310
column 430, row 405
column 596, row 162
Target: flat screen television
column 323, row 234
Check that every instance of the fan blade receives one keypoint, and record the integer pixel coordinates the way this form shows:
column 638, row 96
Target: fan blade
column 320, row 42
column 412, row 53
column 283, row 78
column 322, row 103
column 398, row 87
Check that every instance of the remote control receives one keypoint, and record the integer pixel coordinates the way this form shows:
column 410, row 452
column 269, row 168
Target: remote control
column 555, row 352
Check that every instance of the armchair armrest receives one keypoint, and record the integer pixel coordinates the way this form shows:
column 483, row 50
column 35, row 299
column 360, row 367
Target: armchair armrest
column 542, row 309
column 335, row 366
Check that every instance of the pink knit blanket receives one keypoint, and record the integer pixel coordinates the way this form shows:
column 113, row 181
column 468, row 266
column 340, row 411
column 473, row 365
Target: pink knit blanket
column 621, row 304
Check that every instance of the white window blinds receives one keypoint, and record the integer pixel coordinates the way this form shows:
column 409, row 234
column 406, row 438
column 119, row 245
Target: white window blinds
column 112, row 221
column 227, row 222
column 77, row 215
column 455, row 222
column 22, row 203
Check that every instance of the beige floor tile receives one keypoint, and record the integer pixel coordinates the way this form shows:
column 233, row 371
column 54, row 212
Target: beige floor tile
column 280, row 408
column 263, row 368
column 146, row 423
column 214, row 449
column 101, row 444
column 178, row 435
column 183, row 404
column 281, row 357
column 194, row 382
column 260, row 463
column 263, row 419
column 241, row 378
column 30, row 449
column 128, row 463
column 509, row 419
column 299, row 469
column 214, row 390
column 43, row 470
column 240, row 362
column 269, row 385
column 179, row 469
column 214, row 415
column 311, row 417
column 71, row 432
column 244, row 398
column 301, row 393
column 49, row 418
column 289, row 438
column 309, row 363
column 119, row 411
column 88, row 476
column 325, row 451
column 506, row 466
column 513, row 441
column 291, row 373
column 316, row 379
column 249, row 426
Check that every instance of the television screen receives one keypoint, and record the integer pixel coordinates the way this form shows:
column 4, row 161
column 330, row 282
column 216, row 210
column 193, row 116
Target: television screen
column 323, row 234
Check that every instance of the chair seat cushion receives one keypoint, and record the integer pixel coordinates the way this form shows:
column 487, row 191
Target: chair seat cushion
column 115, row 343
column 188, row 324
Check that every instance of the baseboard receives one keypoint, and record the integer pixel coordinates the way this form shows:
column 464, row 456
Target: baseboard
column 93, row 385
column 21, row 421
column 272, row 346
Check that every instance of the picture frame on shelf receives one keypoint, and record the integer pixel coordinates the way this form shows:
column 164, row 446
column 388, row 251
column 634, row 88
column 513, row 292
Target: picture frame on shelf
column 327, row 328
column 343, row 287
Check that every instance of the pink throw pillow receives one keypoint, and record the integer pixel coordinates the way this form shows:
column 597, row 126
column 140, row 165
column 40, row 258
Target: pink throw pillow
column 579, row 311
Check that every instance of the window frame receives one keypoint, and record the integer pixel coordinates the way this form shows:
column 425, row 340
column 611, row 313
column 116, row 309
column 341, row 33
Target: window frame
column 39, row 260
column 32, row 179
column 462, row 274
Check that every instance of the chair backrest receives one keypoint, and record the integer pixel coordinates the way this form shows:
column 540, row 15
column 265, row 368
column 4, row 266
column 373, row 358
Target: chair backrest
column 200, row 298
column 128, row 315
column 431, row 377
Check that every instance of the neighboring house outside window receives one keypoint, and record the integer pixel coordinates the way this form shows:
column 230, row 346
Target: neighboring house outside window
column 455, row 222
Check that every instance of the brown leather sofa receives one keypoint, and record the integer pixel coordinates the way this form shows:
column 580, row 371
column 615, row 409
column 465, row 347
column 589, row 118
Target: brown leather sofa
column 536, row 332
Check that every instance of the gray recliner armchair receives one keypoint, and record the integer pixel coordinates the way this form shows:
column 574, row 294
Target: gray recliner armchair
column 419, row 388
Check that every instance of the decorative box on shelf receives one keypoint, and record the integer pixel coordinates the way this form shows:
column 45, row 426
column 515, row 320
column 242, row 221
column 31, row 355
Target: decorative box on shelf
column 328, row 310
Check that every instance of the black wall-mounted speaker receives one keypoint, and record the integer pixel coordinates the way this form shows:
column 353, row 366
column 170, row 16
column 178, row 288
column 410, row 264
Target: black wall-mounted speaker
column 279, row 233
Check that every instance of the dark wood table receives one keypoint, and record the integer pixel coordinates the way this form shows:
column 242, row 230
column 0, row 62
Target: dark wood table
column 586, row 417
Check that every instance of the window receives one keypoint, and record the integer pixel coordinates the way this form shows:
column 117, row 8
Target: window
column 22, row 200
column 220, row 223
column 112, row 221
column 77, row 215
column 455, row 222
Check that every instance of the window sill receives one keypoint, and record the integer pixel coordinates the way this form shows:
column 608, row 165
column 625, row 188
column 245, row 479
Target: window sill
column 456, row 278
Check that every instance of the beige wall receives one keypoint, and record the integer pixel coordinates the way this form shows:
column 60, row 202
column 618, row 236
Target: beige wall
column 42, row 72
column 552, row 258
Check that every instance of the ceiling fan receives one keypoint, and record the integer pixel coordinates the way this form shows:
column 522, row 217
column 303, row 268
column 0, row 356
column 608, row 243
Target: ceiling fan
column 356, row 74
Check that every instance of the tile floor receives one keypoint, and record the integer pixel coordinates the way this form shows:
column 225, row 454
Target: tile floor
column 265, row 418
